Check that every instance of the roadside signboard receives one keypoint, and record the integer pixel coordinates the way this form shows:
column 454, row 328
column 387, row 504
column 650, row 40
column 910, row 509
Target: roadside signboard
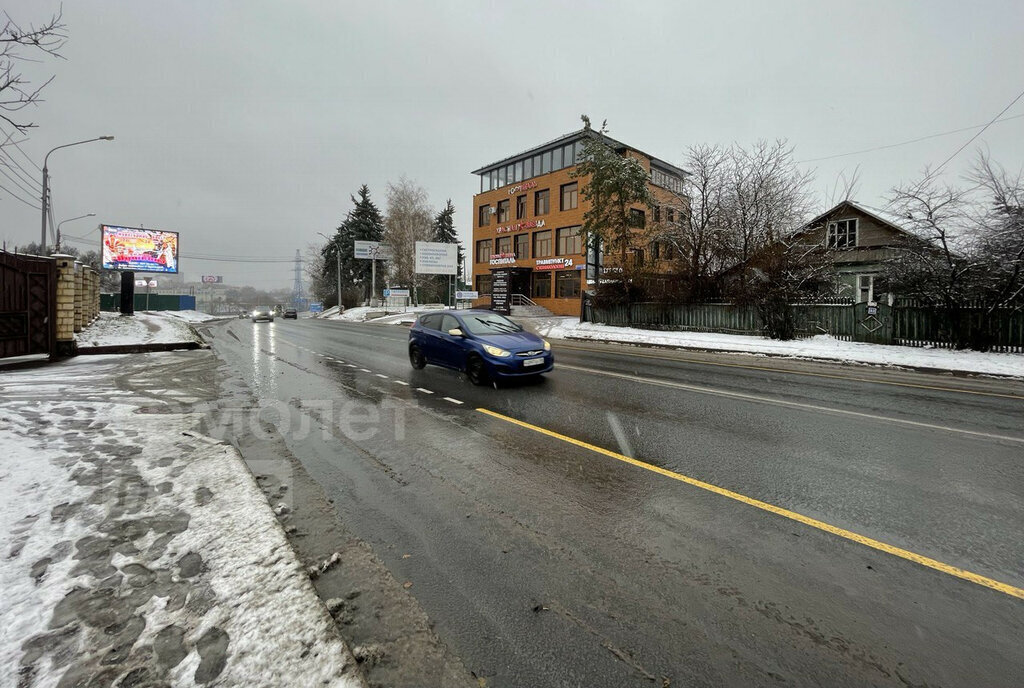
column 134, row 249
column 434, row 258
column 500, row 301
column 151, row 283
column 213, row 279
column 316, row 307
column 140, row 283
column 371, row 250
column 466, row 295
column 394, row 293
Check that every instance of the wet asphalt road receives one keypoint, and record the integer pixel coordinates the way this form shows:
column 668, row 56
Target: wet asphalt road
column 543, row 563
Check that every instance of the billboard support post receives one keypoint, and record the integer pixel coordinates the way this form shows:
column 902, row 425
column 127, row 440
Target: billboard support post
column 147, row 295
column 127, row 293
column 373, row 281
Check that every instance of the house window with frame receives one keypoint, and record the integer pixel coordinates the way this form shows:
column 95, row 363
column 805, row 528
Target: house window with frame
column 542, row 244
column 655, row 249
column 657, row 213
column 483, row 251
column 522, row 246
column 637, row 218
column 567, row 284
column 483, row 283
column 542, row 202
column 520, row 207
column 670, row 215
column 540, row 287
column 570, row 196
column 504, row 244
column 842, row 234
column 503, row 207
column 569, row 242
column 865, row 288
column 484, row 216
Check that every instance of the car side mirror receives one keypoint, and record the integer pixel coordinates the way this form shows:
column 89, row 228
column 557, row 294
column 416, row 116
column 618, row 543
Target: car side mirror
column 456, row 332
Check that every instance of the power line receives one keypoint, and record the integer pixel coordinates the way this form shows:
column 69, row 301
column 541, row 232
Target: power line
column 970, row 140
column 18, row 146
column 17, row 183
column 923, row 138
column 18, row 198
column 23, row 174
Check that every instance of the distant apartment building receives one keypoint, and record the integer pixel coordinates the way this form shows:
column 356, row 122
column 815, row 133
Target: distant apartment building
column 527, row 221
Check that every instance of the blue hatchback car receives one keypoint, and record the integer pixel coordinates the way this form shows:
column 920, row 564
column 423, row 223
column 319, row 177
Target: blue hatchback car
column 485, row 345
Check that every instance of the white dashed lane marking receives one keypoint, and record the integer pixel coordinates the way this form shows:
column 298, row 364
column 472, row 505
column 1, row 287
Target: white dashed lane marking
column 399, row 382
column 454, row 401
column 381, row 376
column 425, row 391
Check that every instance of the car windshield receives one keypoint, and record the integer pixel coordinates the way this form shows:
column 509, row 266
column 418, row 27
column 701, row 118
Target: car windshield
column 489, row 323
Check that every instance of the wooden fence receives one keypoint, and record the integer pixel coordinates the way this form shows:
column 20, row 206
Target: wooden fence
column 906, row 323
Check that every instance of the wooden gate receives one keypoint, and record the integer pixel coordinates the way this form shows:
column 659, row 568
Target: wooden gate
column 872, row 324
column 28, row 305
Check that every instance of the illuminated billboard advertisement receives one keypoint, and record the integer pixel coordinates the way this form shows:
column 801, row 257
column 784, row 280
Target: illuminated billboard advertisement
column 139, row 250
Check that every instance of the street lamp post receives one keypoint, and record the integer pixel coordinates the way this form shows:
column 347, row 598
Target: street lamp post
column 70, row 219
column 337, row 254
column 46, row 181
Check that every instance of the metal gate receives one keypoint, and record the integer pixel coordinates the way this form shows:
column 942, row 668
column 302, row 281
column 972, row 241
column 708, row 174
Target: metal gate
column 28, row 305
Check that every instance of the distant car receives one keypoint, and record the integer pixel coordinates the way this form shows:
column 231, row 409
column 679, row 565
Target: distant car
column 291, row 313
column 485, row 345
column 262, row 313
column 243, row 314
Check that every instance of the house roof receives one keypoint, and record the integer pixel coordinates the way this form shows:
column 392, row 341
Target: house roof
column 573, row 136
column 883, row 216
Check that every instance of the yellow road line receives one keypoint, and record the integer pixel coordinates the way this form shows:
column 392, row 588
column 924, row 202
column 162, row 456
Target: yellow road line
column 976, row 578
column 853, row 378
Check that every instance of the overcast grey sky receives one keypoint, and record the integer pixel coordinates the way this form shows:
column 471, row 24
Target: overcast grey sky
column 246, row 125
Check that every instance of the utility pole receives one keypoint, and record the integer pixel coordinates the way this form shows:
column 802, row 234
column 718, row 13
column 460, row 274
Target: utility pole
column 46, row 183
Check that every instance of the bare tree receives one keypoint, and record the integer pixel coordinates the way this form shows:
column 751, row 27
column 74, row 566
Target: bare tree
column 1002, row 227
column 17, row 42
column 409, row 218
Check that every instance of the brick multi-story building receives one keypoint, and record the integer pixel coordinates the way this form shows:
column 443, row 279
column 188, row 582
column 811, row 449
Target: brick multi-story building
column 527, row 223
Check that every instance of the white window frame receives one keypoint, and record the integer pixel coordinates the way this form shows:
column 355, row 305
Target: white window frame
column 870, row 286
column 832, row 233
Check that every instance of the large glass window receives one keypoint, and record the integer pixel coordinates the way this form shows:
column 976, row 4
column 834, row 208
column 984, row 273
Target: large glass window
column 842, row 234
column 482, row 283
column 567, row 284
column 501, row 176
column 522, row 246
column 541, row 285
column 494, row 179
column 536, row 165
column 527, row 168
column 484, row 216
column 569, row 241
column 542, row 244
column 568, row 159
column 483, row 251
column 545, row 162
column 503, row 207
column 520, row 207
column 504, row 244
column 637, row 218
column 556, row 161
column 579, row 151
column 570, row 196
column 542, row 202
column 518, row 175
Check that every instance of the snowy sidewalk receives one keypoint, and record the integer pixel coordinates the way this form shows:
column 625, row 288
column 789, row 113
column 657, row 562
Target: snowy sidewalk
column 114, row 333
column 137, row 552
column 821, row 347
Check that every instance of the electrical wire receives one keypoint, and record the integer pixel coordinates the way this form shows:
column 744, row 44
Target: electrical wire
column 19, row 198
column 24, row 176
column 17, row 144
column 14, row 180
column 971, row 140
column 918, row 140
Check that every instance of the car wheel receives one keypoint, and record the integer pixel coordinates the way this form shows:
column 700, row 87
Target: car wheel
column 416, row 358
column 476, row 371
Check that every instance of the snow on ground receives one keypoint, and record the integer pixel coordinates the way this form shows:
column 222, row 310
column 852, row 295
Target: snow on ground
column 820, row 347
column 134, row 549
column 379, row 314
column 113, row 329
column 193, row 316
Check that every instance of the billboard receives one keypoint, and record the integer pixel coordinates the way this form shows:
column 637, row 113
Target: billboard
column 139, row 250
column 436, row 259
column 371, row 250
column 213, row 279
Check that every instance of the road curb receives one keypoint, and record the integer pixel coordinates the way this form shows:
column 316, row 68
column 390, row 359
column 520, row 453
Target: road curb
column 140, row 348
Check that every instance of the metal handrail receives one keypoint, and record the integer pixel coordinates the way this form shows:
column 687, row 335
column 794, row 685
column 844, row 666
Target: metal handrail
column 522, row 300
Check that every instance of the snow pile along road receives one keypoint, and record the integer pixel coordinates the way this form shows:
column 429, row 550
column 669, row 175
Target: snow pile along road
column 193, row 316
column 137, row 552
column 113, row 329
column 820, row 347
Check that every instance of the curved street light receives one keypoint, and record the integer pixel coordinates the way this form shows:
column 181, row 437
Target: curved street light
column 46, row 181
column 70, row 219
column 337, row 254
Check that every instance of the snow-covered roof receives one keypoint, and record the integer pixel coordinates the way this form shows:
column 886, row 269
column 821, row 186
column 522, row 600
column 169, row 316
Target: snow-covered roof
column 884, row 216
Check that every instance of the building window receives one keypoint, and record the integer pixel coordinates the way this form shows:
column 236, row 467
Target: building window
column 637, row 218
column 518, row 176
column 503, row 211
column 541, row 285
column 567, row 156
column 657, row 213
column 842, row 234
column 567, row 284
column 504, row 244
column 865, row 288
column 670, row 215
column 542, row 202
column 484, row 218
column 545, row 162
column 483, row 251
column 522, row 246
column 542, row 244
column 483, row 283
column 666, row 180
column 536, row 165
column 655, row 249
column 527, row 168
column 556, row 162
column 520, row 207
column 569, row 243
column 494, row 179
column 638, row 256
column 501, row 177
column 570, row 196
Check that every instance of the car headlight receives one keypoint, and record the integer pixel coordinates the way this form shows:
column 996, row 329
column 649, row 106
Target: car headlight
column 547, row 345
column 495, row 351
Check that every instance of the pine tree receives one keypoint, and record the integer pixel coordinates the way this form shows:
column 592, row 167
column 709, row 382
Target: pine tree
column 363, row 223
column 444, row 233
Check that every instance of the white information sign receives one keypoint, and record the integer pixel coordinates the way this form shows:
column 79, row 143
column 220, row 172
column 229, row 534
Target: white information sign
column 466, row 295
column 434, row 258
column 371, row 250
